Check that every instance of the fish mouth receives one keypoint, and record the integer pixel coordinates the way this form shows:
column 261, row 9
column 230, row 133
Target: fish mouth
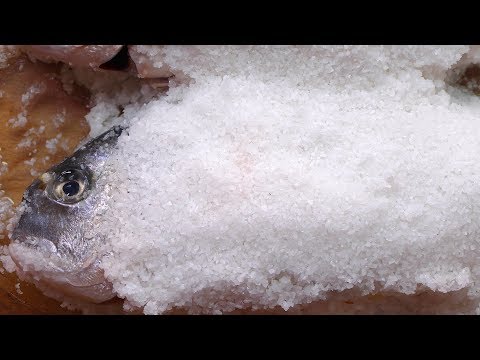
column 40, row 244
column 39, row 260
column 59, row 272
column 49, row 272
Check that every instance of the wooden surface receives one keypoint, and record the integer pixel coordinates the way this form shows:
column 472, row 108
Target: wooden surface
column 40, row 110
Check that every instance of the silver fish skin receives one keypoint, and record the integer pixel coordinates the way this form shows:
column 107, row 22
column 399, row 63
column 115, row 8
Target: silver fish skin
column 52, row 243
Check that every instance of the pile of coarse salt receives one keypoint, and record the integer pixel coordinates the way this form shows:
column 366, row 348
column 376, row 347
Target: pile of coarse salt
column 277, row 175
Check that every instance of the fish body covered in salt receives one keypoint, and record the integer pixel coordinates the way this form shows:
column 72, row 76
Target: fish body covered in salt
column 275, row 176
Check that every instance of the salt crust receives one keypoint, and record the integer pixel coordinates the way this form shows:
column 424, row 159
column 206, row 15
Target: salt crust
column 275, row 176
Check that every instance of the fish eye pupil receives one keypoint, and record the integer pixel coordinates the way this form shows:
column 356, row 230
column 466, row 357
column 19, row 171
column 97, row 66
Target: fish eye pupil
column 71, row 188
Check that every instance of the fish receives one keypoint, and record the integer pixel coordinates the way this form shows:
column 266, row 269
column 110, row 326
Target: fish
column 53, row 244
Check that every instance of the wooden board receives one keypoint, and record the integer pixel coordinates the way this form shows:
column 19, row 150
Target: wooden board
column 40, row 110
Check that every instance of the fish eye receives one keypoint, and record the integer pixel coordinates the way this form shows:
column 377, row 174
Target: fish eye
column 71, row 188
column 68, row 186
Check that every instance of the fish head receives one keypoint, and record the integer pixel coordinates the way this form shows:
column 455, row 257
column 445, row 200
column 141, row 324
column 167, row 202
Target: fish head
column 54, row 242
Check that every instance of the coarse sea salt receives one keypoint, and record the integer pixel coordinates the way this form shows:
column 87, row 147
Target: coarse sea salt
column 277, row 175
column 17, row 289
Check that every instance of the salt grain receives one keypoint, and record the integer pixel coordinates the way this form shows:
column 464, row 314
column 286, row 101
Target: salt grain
column 19, row 121
column 51, row 144
column 17, row 289
column 31, row 93
column 6, row 261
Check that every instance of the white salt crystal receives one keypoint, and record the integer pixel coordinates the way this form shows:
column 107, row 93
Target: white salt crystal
column 51, row 144
column 3, row 165
column 30, row 162
column 59, row 119
column 26, row 142
column 31, row 92
column 19, row 121
column 5, row 260
column 17, row 289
